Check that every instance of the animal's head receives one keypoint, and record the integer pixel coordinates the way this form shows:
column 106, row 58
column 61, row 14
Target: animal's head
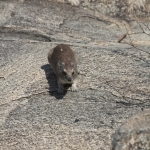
column 67, row 72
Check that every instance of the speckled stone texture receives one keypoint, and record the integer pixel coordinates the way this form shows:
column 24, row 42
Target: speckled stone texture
column 113, row 82
column 134, row 134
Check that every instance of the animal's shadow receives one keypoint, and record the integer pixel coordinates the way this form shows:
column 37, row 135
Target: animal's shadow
column 51, row 78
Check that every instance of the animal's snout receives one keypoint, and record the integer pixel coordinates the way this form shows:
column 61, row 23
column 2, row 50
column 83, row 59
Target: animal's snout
column 69, row 79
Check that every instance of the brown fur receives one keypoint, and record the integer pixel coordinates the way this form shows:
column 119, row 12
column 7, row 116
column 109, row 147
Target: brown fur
column 62, row 59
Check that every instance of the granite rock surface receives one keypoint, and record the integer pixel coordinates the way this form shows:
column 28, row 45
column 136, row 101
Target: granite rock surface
column 113, row 83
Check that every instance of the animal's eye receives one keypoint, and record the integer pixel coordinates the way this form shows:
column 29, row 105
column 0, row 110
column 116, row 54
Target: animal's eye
column 72, row 73
column 64, row 73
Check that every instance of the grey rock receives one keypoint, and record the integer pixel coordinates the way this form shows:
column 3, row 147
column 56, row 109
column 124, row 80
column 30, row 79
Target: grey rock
column 134, row 133
column 125, row 10
column 113, row 82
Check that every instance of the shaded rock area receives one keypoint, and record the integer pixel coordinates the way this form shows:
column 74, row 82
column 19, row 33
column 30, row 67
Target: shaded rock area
column 134, row 134
column 113, row 83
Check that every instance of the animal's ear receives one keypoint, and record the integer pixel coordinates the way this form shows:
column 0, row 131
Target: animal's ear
column 60, row 65
column 73, row 64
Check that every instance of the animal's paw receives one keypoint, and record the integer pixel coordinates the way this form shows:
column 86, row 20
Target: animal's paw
column 60, row 90
column 74, row 88
column 74, row 2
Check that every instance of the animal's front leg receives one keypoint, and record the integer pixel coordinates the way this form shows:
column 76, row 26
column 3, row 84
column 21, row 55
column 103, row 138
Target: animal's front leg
column 60, row 88
column 74, row 87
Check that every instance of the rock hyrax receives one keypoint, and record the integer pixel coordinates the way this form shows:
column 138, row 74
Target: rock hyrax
column 64, row 64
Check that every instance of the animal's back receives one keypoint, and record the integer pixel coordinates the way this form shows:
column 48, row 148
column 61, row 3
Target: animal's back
column 63, row 53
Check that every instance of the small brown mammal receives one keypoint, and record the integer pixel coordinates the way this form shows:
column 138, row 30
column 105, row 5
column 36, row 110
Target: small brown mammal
column 63, row 62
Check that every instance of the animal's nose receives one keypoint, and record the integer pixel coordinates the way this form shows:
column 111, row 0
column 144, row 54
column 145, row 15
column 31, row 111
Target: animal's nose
column 69, row 79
